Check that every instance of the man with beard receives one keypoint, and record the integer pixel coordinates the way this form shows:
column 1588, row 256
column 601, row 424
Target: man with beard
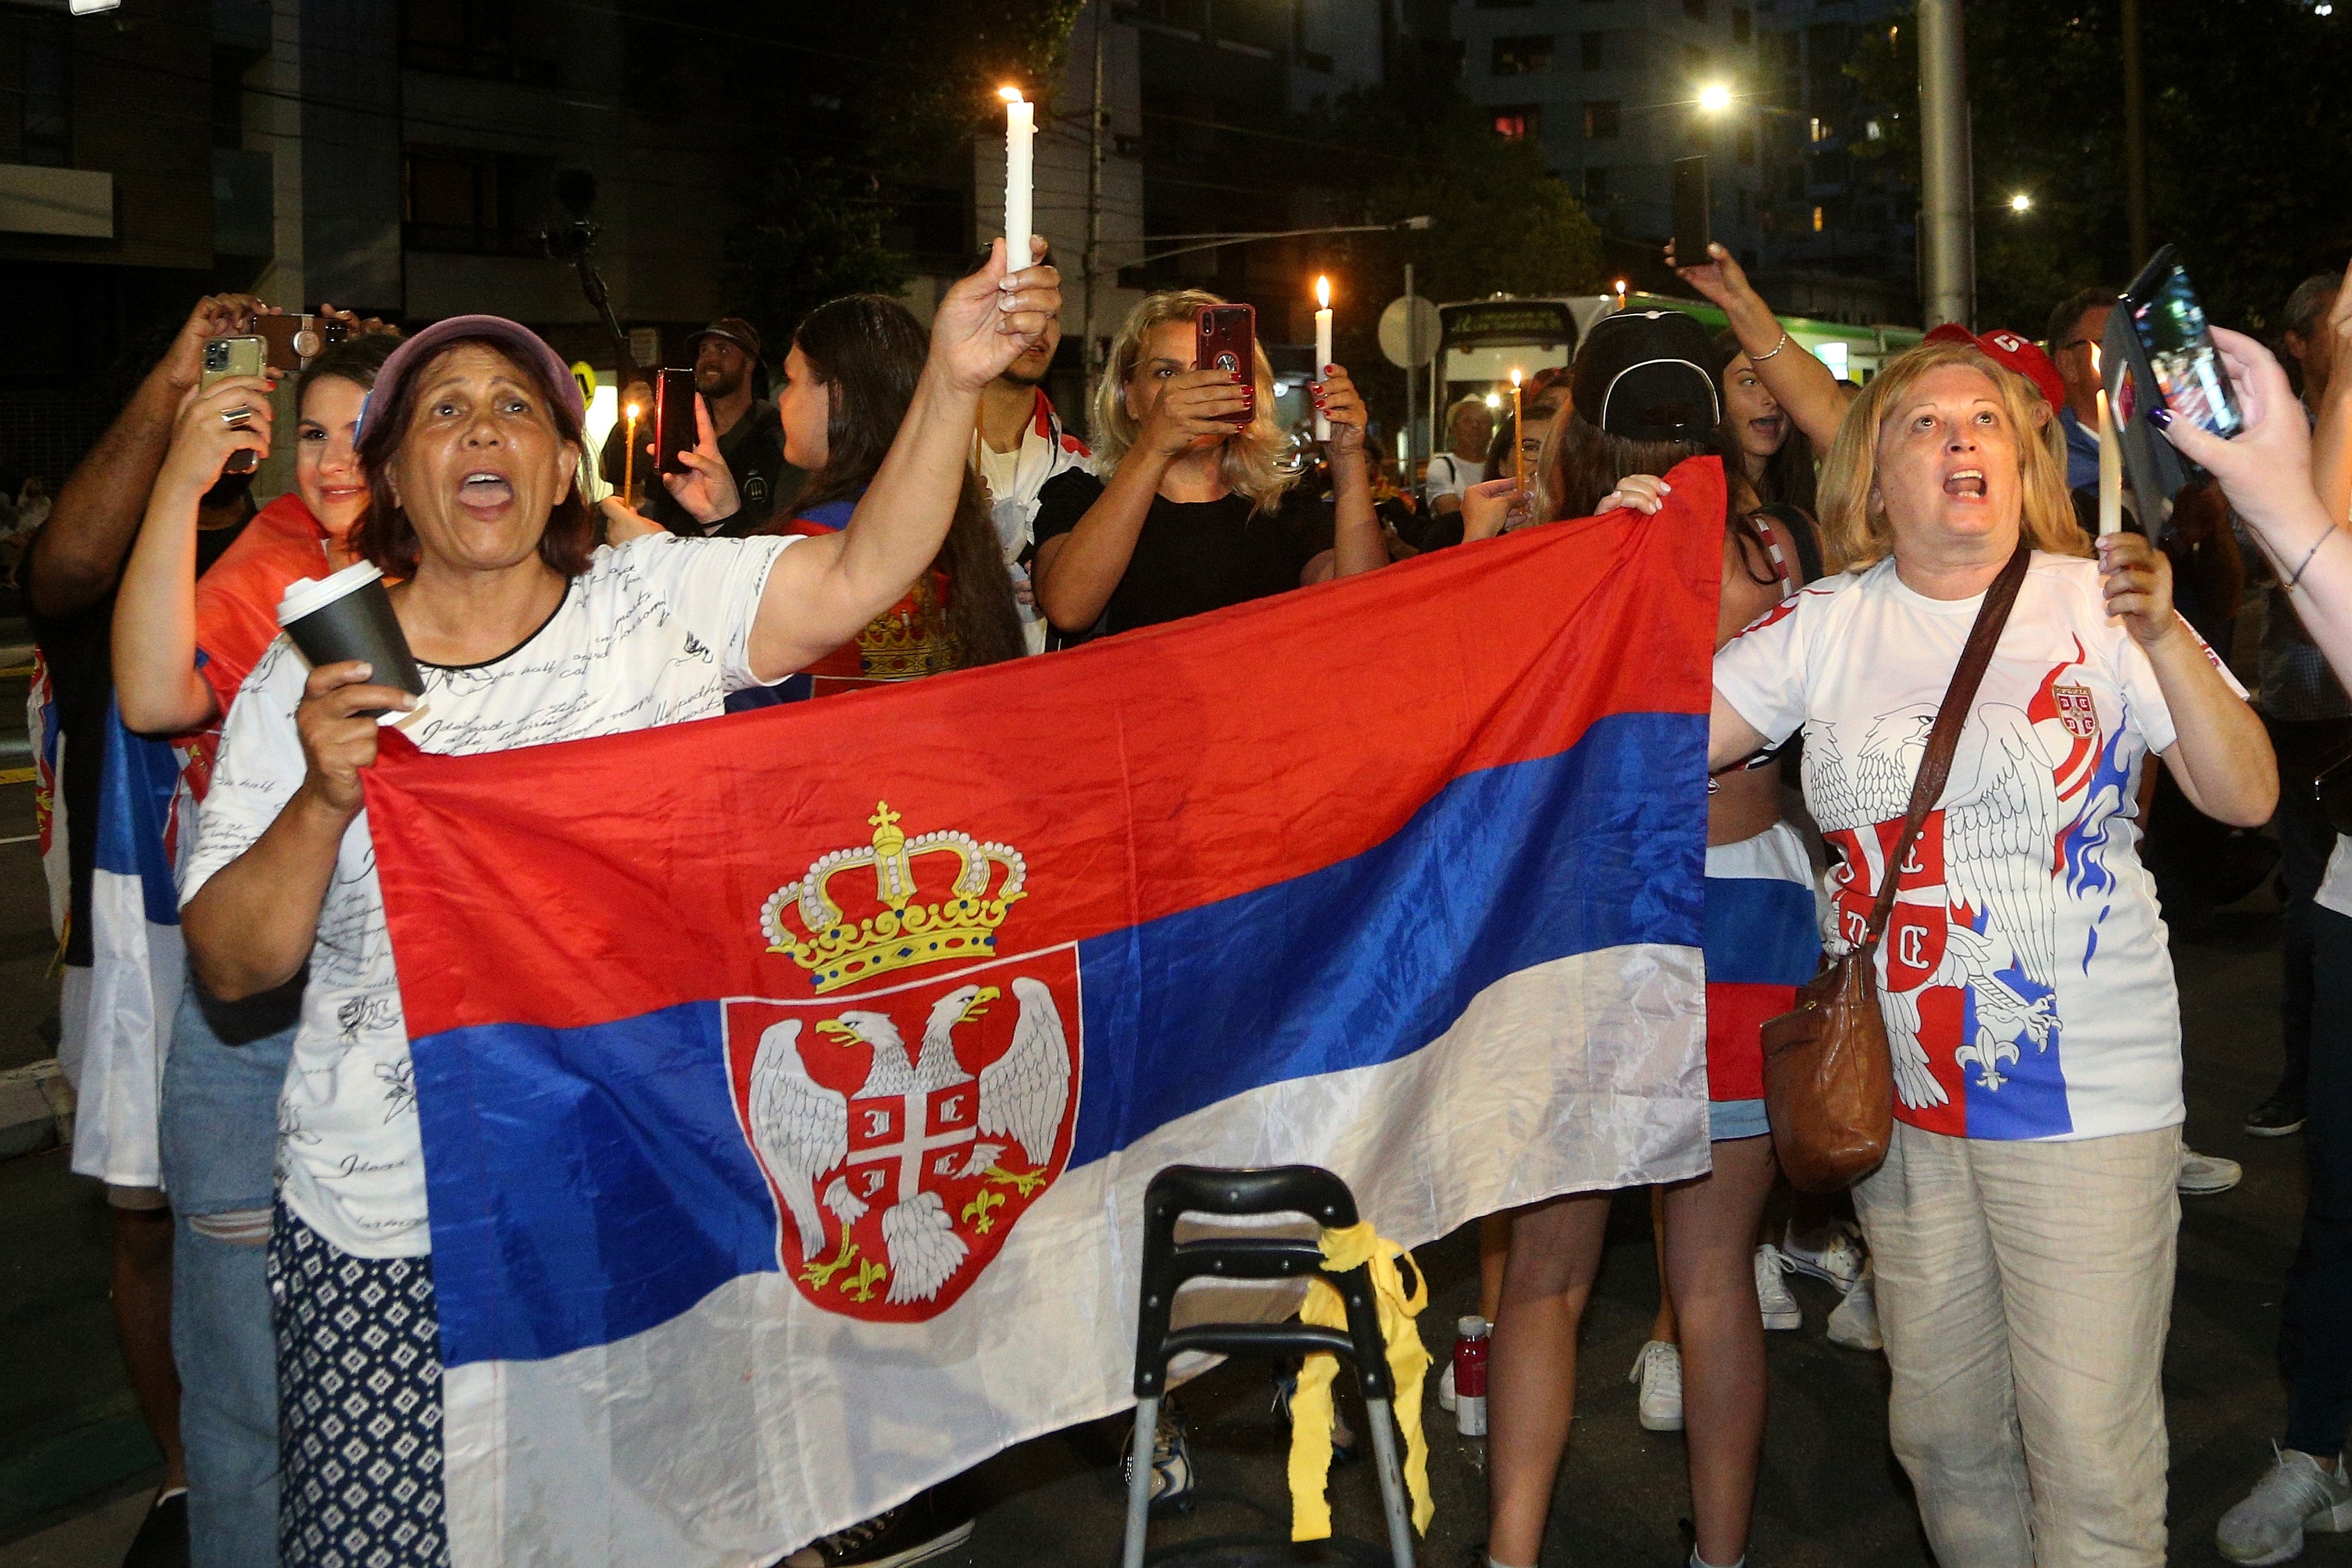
column 1020, row 444
column 727, row 357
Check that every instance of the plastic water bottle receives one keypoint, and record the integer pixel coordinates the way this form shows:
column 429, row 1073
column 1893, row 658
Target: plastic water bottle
column 1470, row 1376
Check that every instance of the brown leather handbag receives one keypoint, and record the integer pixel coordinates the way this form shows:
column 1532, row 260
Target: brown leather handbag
column 1829, row 1082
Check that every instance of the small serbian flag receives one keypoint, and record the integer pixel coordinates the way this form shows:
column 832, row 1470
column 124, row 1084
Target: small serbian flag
column 789, row 1081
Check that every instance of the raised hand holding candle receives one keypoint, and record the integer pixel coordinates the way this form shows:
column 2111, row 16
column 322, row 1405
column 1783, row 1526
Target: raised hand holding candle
column 1518, row 445
column 2111, row 461
column 1020, row 137
column 1322, row 349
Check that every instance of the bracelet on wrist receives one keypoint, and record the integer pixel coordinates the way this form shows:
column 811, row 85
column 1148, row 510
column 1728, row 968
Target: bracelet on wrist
column 1776, row 348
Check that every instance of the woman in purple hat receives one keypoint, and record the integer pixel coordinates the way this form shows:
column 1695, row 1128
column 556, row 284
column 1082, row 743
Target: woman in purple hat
column 526, row 633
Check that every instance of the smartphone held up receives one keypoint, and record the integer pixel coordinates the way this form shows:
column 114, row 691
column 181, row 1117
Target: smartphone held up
column 1225, row 338
column 225, row 359
column 674, row 428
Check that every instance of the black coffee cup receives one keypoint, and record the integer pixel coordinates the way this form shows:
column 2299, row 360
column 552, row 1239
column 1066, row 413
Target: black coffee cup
column 348, row 615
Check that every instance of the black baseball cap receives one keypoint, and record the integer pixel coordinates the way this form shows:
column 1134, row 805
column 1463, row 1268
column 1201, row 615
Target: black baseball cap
column 1643, row 374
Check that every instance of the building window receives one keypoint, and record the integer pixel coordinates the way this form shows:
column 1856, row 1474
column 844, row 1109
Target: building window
column 1740, row 24
column 459, row 199
column 468, row 37
column 1604, row 120
column 1821, row 130
column 1588, row 49
column 1519, row 120
column 1596, row 187
column 1694, row 9
column 1873, row 131
column 1747, row 144
column 34, row 70
column 1529, row 56
column 1820, row 220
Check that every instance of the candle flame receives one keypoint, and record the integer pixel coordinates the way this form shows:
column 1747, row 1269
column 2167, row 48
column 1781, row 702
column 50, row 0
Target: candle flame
column 2095, row 359
column 1009, row 94
column 1323, row 293
column 633, row 411
column 1514, row 377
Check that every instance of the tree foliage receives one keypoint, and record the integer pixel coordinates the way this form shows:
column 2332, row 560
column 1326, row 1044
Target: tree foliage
column 2247, row 121
column 839, row 110
column 1499, row 223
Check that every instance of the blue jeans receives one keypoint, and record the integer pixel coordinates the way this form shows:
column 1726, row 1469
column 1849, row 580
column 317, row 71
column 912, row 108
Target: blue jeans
column 219, row 1137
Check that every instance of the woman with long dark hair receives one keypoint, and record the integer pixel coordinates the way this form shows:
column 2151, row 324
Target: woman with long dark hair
column 1645, row 399
column 1774, row 457
column 848, row 379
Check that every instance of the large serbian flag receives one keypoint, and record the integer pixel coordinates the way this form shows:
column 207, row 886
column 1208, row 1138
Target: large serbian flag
column 789, row 1081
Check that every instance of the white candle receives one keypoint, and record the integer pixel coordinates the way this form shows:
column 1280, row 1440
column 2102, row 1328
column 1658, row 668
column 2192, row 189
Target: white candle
column 1020, row 135
column 2111, row 461
column 1322, row 348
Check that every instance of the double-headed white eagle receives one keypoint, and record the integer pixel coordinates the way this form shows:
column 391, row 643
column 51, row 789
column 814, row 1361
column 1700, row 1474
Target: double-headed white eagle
column 2001, row 843
column 801, row 1128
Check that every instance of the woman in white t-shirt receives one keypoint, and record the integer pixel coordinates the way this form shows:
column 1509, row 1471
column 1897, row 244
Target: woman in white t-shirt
column 2023, row 1224
column 525, row 635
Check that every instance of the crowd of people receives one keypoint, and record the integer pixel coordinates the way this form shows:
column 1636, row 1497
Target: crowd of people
column 910, row 502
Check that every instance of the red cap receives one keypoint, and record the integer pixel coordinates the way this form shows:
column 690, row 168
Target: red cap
column 2009, row 352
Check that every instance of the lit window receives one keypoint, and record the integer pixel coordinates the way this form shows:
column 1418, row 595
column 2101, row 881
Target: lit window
column 1820, row 218
column 1519, row 120
column 1873, row 131
column 1821, row 129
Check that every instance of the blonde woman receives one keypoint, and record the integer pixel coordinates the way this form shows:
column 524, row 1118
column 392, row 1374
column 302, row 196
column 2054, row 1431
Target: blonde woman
column 2022, row 1227
column 1191, row 513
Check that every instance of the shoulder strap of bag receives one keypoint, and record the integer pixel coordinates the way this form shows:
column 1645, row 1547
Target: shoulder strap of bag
column 1935, row 766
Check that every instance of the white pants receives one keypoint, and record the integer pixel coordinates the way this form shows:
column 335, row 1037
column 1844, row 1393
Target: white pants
column 2025, row 1290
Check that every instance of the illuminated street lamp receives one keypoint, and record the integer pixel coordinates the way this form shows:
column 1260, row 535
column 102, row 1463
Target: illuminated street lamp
column 2020, row 203
column 1714, row 98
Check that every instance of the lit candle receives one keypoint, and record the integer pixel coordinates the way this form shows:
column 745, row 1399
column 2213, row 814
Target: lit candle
column 629, row 461
column 1020, row 133
column 1322, row 349
column 1518, row 442
column 2111, row 461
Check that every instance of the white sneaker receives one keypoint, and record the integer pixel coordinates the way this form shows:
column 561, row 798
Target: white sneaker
column 2202, row 1175
column 1445, row 1397
column 2297, row 1497
column 1853, row 1323
column 1779, row 1307
column 1658, row 1369
column 1839, row 1261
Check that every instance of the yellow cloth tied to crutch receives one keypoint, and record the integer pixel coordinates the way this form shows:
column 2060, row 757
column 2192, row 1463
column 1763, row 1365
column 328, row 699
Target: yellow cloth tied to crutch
column 1310, row 1407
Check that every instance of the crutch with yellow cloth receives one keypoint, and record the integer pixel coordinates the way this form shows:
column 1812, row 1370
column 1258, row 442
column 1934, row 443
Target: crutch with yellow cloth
column 1358, row 1307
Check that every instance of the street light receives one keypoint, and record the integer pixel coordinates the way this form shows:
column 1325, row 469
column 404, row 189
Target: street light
column 1714, row 98
column 2020, row 203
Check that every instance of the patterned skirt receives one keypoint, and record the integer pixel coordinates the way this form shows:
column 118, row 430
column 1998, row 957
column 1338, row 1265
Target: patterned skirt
column 359, row 1406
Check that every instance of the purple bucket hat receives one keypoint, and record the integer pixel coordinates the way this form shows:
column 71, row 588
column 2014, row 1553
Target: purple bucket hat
column 519, row 341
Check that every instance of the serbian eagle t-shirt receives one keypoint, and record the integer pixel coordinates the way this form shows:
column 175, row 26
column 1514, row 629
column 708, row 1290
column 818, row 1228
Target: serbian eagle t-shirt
column 2026, row 984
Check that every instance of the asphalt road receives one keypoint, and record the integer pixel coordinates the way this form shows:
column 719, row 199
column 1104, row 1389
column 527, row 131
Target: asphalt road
column 70, row 1457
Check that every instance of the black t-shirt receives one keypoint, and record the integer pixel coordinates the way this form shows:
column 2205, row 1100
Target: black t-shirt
column 1192, row 557
column 754, row 450
column 78, row 649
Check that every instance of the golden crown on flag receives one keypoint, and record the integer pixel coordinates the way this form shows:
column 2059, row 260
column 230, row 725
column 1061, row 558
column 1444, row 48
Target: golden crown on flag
column 840, row 949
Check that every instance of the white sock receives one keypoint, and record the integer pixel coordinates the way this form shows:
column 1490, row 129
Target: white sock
column 1698, row 1561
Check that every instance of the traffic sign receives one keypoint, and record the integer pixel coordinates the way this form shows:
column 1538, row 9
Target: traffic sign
column 1409, row 331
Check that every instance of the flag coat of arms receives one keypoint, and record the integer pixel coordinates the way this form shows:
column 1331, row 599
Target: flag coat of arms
column 789, row 1082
